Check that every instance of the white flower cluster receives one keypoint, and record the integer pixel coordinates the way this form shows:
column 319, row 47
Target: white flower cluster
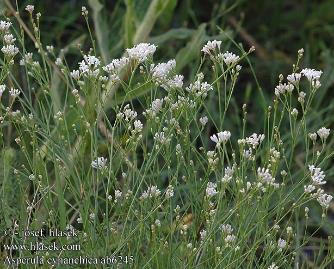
column 221, row 138
column 229, row 58
column 323, row 133
column 212, row 158
column 141, row 52
column 227, row 231
column 127, row 114
column 88, row 67
column 155, row 108
column 294, row 78
column 151, row 192
column 282, row 88
column 254, row 140
column 199, row 88
column 265, row 176
column 99, row 163
column 14, row 92
column 183, row 103
column 281, row 243
column 211, row 189
column 169, row 192
column 318, row 176
column 8, row 49
column 211, row 46
column 311, row 74
column 228, row 174
column 161, row 75
column 115, row 67
column 4, row 26
column 161, row 139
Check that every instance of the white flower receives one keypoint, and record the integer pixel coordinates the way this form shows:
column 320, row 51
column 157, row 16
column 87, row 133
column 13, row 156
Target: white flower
column 282, row 88
column 281, row 243
column 265, row 175
column 211, row 189
column 230, row 238
column 30, row 8
column 313, row 136
column 116, row 65
column 4, row 26
column 2, row 89
column 199, row 88
column 323, row 133
column 309, row 188
column 324, row 200
column 228, row 175
column 273, row 266
column 10, row 50
column 174, row 82
column 311, row 74
column 14, row 92
column 156, row 107
column 294, row 112
column 226, row 228
column 254, row 140
column 202, row 234
column 75, row 74
column 161, row 138
column 229, row 58
column 141, row 52
column 317, row 175
column 9, row 38
column 157, row 223
column 211, row 46
column 118, row 194
column 89, row 66
column 212, row 158
column 151, row 192
column 161, row 71
column 138, row 126
column 58, row 62
column 294, row 78
column 92, row 216
column 99, row 163
column 128, row 114
column 169, row 192
column 221, row 137
column 203, row 120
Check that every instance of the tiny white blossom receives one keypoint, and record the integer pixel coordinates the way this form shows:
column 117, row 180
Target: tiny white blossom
column 4, row 26
column 273, row 266
column 221, row 137
column 14, row 92
column 9, row 50
column 211, row 189
column 210, row 46
column 323, row 133
column 281, row 243
column 311, row 74
column 99, row 163
column 317, row 175
column 203, row 120
column 141, row 52
column 324, row 200
column 229, row 58
column 254, row 140
column 30, row 8
column 294, row 78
